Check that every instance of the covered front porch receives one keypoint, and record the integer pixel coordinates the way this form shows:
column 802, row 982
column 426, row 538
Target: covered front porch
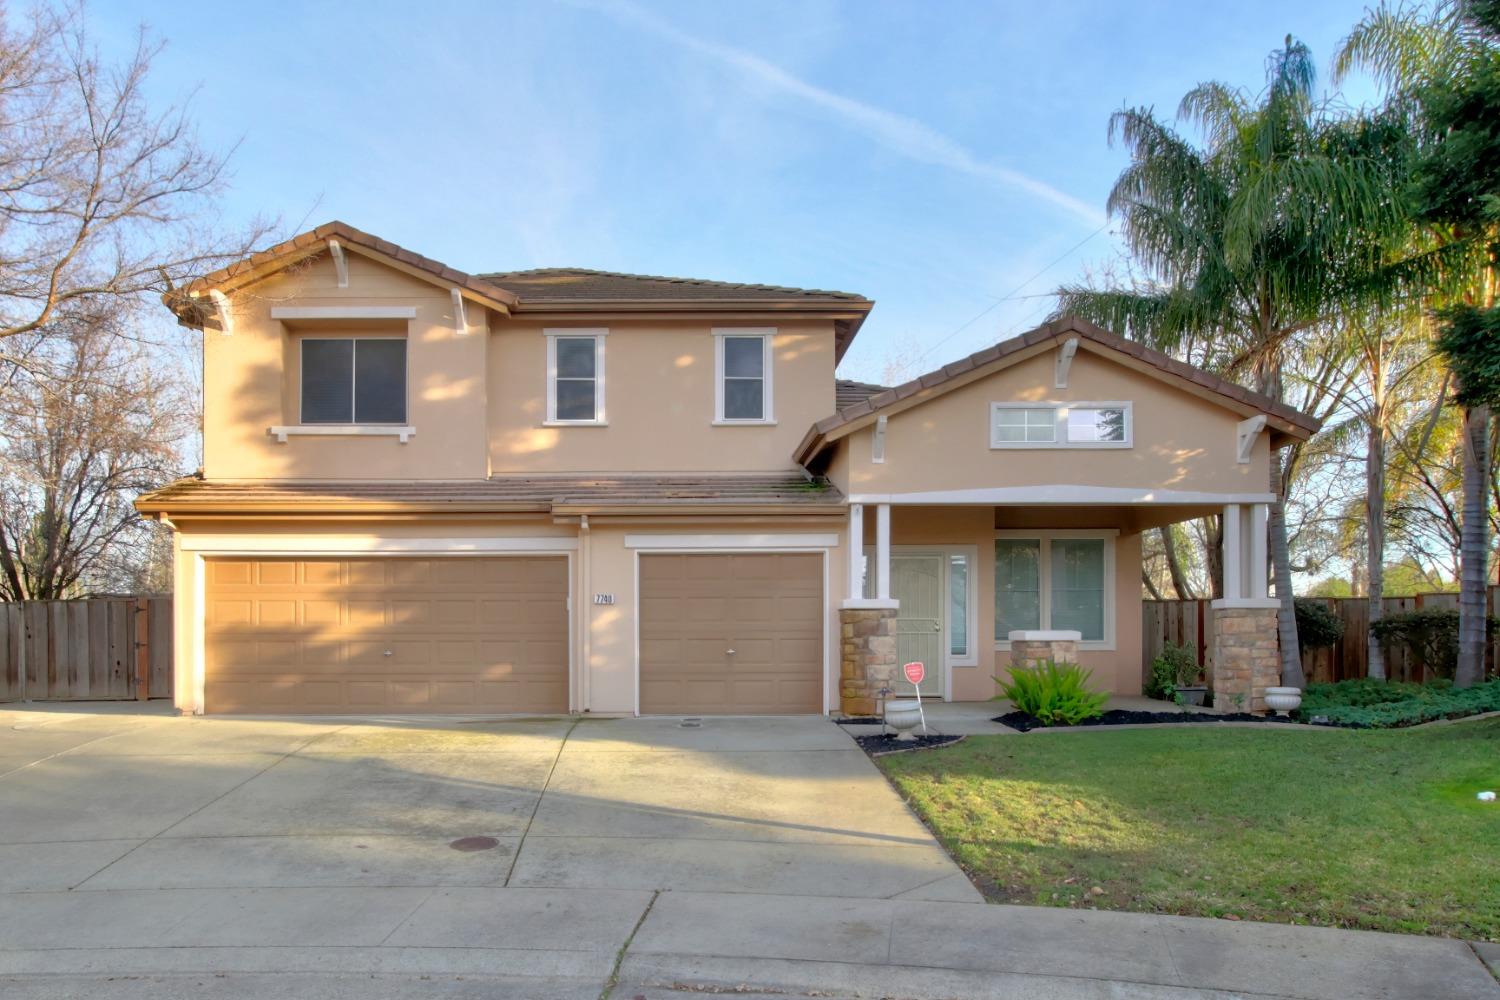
column 947, row 578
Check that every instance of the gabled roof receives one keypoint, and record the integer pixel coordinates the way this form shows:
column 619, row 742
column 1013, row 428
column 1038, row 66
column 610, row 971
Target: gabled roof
column 1282, row 420
column 315, row 241
column 572, row 284
column 552, row 289
column 627, row 494
column 847, row 392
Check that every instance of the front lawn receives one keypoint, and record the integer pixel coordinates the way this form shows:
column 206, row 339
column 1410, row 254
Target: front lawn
column 1372, row 829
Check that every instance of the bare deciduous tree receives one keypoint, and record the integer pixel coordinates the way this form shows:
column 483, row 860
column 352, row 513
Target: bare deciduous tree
column 95, row 421
column 100, row 195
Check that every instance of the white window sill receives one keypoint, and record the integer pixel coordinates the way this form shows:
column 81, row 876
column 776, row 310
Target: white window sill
column 282, row 432
column 744, row 423
column 1055, row 446
column 1089, row 645
column 575, row 423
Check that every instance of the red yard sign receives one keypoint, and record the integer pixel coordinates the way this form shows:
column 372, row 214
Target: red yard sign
column 915, row 672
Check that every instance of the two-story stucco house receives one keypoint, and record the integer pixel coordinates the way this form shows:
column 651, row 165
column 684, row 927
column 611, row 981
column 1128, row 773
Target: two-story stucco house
column 576, row 491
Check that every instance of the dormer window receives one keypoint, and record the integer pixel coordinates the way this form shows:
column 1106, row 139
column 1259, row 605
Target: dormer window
column 353, row 380
column 575, row 377
column 742, row 374
column 1060, row 425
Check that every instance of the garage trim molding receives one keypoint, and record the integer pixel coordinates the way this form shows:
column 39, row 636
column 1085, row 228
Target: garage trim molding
column 191, row 550
column 665, row 544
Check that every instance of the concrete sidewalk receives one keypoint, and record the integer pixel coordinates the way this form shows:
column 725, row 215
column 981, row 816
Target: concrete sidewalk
column 572, row 944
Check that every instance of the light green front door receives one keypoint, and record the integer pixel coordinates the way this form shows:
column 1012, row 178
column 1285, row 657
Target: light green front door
column 919, row 582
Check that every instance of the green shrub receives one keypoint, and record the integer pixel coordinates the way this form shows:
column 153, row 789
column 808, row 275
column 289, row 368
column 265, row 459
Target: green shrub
column 1317, row 626
column 1176, row 666
column 1374, row 704
column 1055, row 693
column 1429, row 636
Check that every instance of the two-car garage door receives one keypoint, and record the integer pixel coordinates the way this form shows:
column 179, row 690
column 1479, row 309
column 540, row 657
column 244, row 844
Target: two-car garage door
column 471, row 635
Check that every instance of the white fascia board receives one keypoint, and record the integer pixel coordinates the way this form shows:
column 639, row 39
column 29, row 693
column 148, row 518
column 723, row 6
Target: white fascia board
column 1062, row 495
column 717, row 543
column 208, row 544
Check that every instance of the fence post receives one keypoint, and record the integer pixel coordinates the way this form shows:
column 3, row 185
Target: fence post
column 142, row 650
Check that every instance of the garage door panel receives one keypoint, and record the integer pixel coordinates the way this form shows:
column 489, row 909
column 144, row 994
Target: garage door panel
column 767, row 607
column 313, row 635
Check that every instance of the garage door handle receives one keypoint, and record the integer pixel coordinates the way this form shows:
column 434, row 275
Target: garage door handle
column 386, row 653
column 729, row 651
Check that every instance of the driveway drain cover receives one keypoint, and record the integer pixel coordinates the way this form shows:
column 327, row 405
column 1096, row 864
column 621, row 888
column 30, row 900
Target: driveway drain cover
column 470, row 844
column 691, row 724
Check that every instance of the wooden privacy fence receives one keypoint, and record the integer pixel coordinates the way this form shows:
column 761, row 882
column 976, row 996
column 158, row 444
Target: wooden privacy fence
column 1190, row 623
column 104, row 648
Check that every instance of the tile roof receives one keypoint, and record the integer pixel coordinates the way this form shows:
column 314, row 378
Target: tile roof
column 847, row 392
column 572, row 284
column 499, row 493
column 1288, row 419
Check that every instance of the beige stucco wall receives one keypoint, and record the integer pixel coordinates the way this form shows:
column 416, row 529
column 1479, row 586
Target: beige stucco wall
column 659, row 401
column 250, row 381
column 1181, row 442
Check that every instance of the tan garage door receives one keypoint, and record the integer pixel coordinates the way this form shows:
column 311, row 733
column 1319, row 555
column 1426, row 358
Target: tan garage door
column 696, row 608
column 387, row 635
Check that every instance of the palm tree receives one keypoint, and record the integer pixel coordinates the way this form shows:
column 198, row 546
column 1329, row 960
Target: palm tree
column 1250, row 241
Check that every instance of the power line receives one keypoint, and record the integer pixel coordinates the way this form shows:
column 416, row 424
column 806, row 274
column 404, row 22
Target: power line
column 1012, row 295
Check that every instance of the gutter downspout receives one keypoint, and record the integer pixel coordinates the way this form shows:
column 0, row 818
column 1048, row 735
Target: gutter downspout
column 585, row 613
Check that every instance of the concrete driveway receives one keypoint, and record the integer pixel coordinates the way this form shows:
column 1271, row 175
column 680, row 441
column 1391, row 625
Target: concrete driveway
column 126, row 835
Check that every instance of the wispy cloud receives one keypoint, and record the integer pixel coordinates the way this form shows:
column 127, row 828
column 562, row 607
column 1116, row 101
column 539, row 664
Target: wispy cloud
column 899, row 133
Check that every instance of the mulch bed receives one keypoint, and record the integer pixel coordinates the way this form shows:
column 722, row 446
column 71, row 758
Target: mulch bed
column 859, row 720
column 1024, row 722
column 880, row 746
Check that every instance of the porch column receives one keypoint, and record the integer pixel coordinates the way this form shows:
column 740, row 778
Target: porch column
column 1246, row 656
column 867, row 625
column 855, row 589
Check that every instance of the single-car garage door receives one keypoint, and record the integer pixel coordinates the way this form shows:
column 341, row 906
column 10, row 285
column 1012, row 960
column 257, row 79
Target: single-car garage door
column 387, row 635
column 731, row 634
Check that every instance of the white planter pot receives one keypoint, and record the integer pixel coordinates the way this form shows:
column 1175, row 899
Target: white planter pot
column 1283, row 699
column 903, row 715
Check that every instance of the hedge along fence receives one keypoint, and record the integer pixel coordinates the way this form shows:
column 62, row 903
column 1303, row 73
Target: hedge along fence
column 104, row 648
column 1190, row 623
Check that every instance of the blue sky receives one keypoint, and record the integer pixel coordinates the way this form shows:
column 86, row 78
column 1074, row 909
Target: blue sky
column 933, row 156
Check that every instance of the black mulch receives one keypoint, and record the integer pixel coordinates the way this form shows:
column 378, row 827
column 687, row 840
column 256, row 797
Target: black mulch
column 1025, row 722
column 879, row 746
column 859, row 720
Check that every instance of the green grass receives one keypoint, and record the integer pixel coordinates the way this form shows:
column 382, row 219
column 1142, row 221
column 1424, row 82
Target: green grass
column 1370, row 829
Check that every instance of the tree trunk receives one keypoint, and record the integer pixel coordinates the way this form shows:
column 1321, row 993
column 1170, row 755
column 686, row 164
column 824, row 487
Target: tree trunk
column 1174, row 563
column 1475, row 550
column 1150, row 584
column 1286, row 618
column 1375, row 538
column 1213, row 553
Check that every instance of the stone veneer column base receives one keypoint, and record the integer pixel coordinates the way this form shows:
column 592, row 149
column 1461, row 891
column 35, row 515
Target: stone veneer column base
column 1031, row 652
column 867, row 660
column 1246, row 658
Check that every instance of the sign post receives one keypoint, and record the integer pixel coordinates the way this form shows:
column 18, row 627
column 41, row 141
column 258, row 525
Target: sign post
column 915, row 672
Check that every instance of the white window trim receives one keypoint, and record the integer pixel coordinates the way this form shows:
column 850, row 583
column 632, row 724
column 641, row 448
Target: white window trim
column 597, row 334
column 1060, row 436
column 401, row 428
column 283, row 431
column 767, row 337
column 1109, row 535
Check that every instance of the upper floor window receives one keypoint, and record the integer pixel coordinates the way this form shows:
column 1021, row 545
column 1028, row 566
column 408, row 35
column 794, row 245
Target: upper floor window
column 742, row 368
column 353, row 380
column 575, row 376
column 1060, row 425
